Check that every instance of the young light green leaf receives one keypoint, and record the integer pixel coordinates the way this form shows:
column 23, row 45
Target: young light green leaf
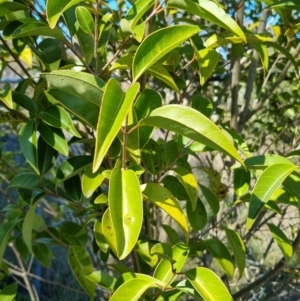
column 81, row 266
column 126, row 210
column 59, row 118
column 29, row 144
column 282, row 241
column 270, row 179
column 55, row 8
column 6, row 95
column 133, row 289
column 103, row 279
column 9, row 292
column 143, row 250
column 189, row 183
column 115, row 106
column 238, row 248
column 221, row 254
column 163, row 250
column 91, row 181
column 192, row 124
column 208, row 285
column 55, row 138
column 165, row 270
column 159, row 43
column 161, row 197
column 209, row 11
column 108, row 230
column 85, row 20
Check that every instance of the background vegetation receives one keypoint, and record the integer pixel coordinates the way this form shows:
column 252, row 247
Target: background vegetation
column 149, row 150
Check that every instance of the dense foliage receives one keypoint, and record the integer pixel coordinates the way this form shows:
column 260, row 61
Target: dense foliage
column 161, row 146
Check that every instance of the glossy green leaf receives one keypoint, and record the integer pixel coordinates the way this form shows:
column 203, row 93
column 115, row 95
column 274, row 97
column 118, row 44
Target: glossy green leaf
column 175, row 187
column 202, row 104
column 143, row 250
column 28, row 223
column 165, row 270
column 34, row 28
column 59, row 118
column 81, row 266
column 26, row 180
column 126, row 210
column 85, row 20
column 73, row 234
column 6, row 95
column 185, row 286
column 262, row 161
column 55, row 138
column 238, row 249
column 163, row 250
column 161, row 197
column 9, row 292
column 198, row 216
column 159, row 43
column 28, row 140
column 99, row 236
column 72, row 166
column 24, row 101
column 115, row 106
column 55, row 8
column 46, row 156
column 211, row 12
column 7, row 7
column 137, row 10
column 241, row 181
column 152, row 157
column 192, row 124
column 80, row 84
column 208, row 285
column 85, row 111
column 86, row 43
column 101, row 199
column 171, row 152
column 221, row 254
column 103, row 279
column 134, row 288
column 189, row 183
column 108, row 230
column 91, row 181
column 5, row 231
column 292, row 183
column 282, row 241
column 211, row 199
column 270, row 179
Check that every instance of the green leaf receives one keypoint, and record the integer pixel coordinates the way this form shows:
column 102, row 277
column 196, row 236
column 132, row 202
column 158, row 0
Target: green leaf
column 270, row 179
column 165, row 270
column 55, row 8
column 71, row 167
column 99, row 237
column 86, row 43
column 208, row 285
column 46, row 156
column 91, row 181
column 198, row 216
column 115, row 106
column 282, row 241
column 221, row 254
column 73, row 234
column 210, row 11
column 163, row 250
column 28, row 222
column 24, row 101
column 143, row 250
column 192, row 124
column 202, row 104
column 55, row 138
column 161, row 197
column 238, row 248
column 152, row 157
column 189, row 183
column 86, row 86
column 42, row 254
column 85, row 111
column 109, row 231
column 241, row 181
column 211, row 199
column 6, row 95
column 126, row 210
column 8, row 7
column 9, row 292
column 137, row 10
column 158, row 44
column 134, row 288
column 81, row 266
column 103, row 279
column 85, row 20
column 59, row 118
column 34, row 28
column 5, row 231
column 171, row 152
column 172, row 234
column 28, row 140
column 263, row 55
column 175, row 187
column 262, row 161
